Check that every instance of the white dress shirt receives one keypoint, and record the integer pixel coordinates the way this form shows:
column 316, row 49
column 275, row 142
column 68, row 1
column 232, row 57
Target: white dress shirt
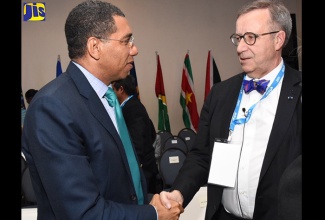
column 100, row 88
column 253, row 136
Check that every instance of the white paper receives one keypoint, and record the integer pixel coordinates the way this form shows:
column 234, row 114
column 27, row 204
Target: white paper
column 224, row 164
column 173, row 159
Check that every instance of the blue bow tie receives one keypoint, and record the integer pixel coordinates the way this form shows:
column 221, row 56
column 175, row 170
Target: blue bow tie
column 260, row 86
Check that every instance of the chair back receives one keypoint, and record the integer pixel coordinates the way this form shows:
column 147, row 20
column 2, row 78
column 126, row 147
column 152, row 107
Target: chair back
column 175, row 142
column 28, row 194
column 162, row 136
column 188, row 136
column 170, row 163
column 23, row 164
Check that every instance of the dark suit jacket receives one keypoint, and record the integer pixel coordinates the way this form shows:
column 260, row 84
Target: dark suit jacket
column 142, row 132
column 290, row 192
column 284, row 144
column 77, row 161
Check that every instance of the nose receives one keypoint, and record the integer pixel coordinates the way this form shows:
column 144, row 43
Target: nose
column 134, row 50
column 242, row 46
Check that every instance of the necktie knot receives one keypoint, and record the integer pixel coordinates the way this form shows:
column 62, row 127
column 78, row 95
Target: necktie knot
column 259, row 86
column 111, row 97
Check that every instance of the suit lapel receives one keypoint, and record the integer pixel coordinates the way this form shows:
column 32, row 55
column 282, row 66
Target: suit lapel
column 96, row 108
column 289, row 96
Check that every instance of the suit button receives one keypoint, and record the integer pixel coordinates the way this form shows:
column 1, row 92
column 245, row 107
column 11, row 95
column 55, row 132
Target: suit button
column 133, row 197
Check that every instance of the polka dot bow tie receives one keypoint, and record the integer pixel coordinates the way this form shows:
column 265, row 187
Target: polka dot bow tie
column 260, row 86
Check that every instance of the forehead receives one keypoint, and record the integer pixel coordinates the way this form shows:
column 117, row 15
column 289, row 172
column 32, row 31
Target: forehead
column 123, row 27
column 254, row 21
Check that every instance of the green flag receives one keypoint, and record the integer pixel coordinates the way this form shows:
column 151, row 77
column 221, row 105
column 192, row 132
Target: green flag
column 187, row 97
column 163, row 119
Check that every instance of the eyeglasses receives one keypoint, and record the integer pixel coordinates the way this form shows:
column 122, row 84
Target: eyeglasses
column 249, row 37
column 129, row 42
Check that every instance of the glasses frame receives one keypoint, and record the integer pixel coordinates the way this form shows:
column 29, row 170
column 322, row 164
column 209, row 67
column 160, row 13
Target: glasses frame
column 235, row 41
column 129, row 42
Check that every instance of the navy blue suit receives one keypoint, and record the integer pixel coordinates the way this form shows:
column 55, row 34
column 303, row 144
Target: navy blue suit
column 77, row 161
column 284, row 145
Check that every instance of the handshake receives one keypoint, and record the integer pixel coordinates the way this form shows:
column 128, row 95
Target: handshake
column 169, row 205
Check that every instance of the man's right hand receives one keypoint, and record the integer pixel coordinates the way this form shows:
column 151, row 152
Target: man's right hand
column 171, row 213
column 167, row 197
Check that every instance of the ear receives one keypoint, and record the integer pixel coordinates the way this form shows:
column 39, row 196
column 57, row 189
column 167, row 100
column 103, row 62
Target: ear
column 121, row 89
column 93, row 47
column 279, row 40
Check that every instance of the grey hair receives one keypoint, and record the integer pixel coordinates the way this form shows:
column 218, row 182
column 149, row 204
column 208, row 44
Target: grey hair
column 280, row 15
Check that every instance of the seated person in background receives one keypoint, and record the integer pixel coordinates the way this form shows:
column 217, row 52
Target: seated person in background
column 30, row 94
column 141, row 128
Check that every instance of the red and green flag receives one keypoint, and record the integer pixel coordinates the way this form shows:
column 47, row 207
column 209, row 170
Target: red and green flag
column 212, row 74
column 163, row 118
column 187, row 97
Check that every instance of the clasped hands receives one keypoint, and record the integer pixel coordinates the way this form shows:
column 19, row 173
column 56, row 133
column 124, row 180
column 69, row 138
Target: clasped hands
column 169, row 205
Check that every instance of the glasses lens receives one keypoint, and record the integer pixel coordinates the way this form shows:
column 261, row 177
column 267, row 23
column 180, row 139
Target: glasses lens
column 235, row 39
column 249, row 38
column 131, row 42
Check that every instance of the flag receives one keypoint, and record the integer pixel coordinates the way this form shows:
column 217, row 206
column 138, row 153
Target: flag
column 212, row 74
column 187, row 97
column 23, row 107
column 163, row 119
column 58, row 67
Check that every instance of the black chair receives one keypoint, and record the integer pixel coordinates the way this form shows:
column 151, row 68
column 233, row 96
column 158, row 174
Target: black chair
column 188, row 136
column 23, row 165
column 160, row 140
column 28, row 194
column 175, row 142
column 170, row 163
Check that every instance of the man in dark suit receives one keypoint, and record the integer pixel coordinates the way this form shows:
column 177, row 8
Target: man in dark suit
column 141, row 128
column 78, row 164
column 264, row 128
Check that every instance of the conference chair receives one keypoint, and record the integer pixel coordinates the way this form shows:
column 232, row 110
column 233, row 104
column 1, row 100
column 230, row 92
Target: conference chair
column 170, row 163
column 188, row 136
column 163, row 136
column 175, row 142
column 23, row 164
column 28, row 194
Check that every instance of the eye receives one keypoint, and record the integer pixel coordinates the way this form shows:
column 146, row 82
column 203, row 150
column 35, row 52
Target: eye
column 250, row 37
column 125, row 42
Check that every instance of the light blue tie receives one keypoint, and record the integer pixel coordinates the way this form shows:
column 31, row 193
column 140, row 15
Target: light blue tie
column 124, row 134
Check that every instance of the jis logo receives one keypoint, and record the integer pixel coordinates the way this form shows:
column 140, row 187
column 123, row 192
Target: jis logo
column 34, row 11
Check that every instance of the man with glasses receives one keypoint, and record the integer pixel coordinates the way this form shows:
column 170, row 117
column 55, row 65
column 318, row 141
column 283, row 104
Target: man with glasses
column 74, row 144
column 257, row 117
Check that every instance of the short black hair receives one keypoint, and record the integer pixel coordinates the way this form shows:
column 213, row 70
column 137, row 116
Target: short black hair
column 128, row 84
column 30, row 93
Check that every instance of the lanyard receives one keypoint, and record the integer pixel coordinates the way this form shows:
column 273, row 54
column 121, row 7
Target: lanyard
column 234, row 120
